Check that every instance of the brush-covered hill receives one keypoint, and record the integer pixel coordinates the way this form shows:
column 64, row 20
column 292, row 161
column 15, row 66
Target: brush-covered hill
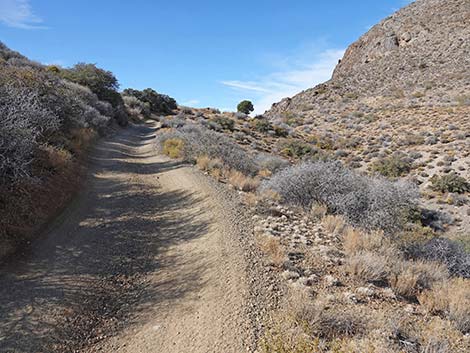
column 49, row 117
column 419, row 56
column 398, row 103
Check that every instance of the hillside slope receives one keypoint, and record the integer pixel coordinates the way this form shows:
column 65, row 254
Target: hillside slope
column 399, row 101
column 418, row 56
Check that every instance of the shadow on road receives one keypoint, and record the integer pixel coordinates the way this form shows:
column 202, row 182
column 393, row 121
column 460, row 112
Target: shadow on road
column 88, row 272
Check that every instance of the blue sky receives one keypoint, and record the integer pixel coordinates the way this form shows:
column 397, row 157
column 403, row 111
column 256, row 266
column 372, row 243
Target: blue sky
column 203, row 53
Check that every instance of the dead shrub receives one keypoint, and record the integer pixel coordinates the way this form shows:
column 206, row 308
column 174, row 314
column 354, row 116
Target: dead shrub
column 450, row 299
column 272, row 247
column 242, row 182
column 81, row 140
column 334, row 224
column 355, row 240
column 265, row 173
column 318, row 211
column 202, row 162
column 440, row 336
column 58, row 159
column 250, row 199
column 173, row 148
column 369, row 203
column 325, row 321
column 372, row 266
column 412, row 277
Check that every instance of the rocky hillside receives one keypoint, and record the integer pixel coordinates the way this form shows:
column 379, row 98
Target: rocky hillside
column 399, row 101
column 418, row 57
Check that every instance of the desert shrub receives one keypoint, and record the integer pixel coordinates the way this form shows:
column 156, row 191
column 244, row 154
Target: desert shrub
column 174, row 122
column 80, row 108
column 450, row 183
column 224, row 122
column 202, row 162
column 324, row 321
column 101, row 82
column 245, row 107
column 450, row 299
column 7, row 54
column 200, row 141
column 334, row 224
column 242, row 182
column 136, row 105
column 412, row 277
column 393, row 166
column 371, row 203
column 241, row 116
column 270, row 162
column 24, row 121
column 173, row 148
column 297, row 149
column 448, row 252
column 372, row 266
column 158, row 103
column 272, row 247
column 262, row 125
column 355, row 240
column 281, row 131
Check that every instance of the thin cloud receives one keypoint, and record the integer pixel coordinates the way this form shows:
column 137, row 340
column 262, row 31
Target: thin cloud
column 191, row 102
column 19, row 14
column 299, row 74
column 245, row 86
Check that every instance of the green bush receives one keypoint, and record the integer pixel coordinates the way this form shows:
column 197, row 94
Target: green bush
column 262, row 125
column 245, row 107
column 280, row 131
column 159, row 103
column 297, row 149
column 101, row 82
column 450, row 183
column 393, row 166
column 173, row 147
column 224, row 122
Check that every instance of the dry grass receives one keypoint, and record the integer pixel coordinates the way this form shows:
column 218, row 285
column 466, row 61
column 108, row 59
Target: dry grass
column 23, row 215
column 55, row 158
column 334, row 224
column 412, row 277
column 307, row 326
column 371, row 266
column 272, row 247
column 318, row 211
column 202, row 162
column 216, row 173
column 250, row 199
column 269, row 195
column 173, row 148
column 81, row 139
column 355, row 240
column 265, row 173
column 441, row 336
column 242, row 182
column 450, row 299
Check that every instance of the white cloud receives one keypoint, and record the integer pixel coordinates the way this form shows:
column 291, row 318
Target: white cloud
column 191, row 103
column 19, row 14
column 299, row 74
column 245, row 86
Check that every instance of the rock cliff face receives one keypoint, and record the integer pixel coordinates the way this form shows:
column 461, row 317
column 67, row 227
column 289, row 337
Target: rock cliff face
column 420, row 55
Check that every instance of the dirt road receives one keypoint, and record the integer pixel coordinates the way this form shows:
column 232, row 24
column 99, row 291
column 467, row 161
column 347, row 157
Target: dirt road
column 151, row 257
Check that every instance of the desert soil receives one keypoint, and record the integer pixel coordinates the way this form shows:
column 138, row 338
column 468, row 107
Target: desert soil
column 152, row 256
